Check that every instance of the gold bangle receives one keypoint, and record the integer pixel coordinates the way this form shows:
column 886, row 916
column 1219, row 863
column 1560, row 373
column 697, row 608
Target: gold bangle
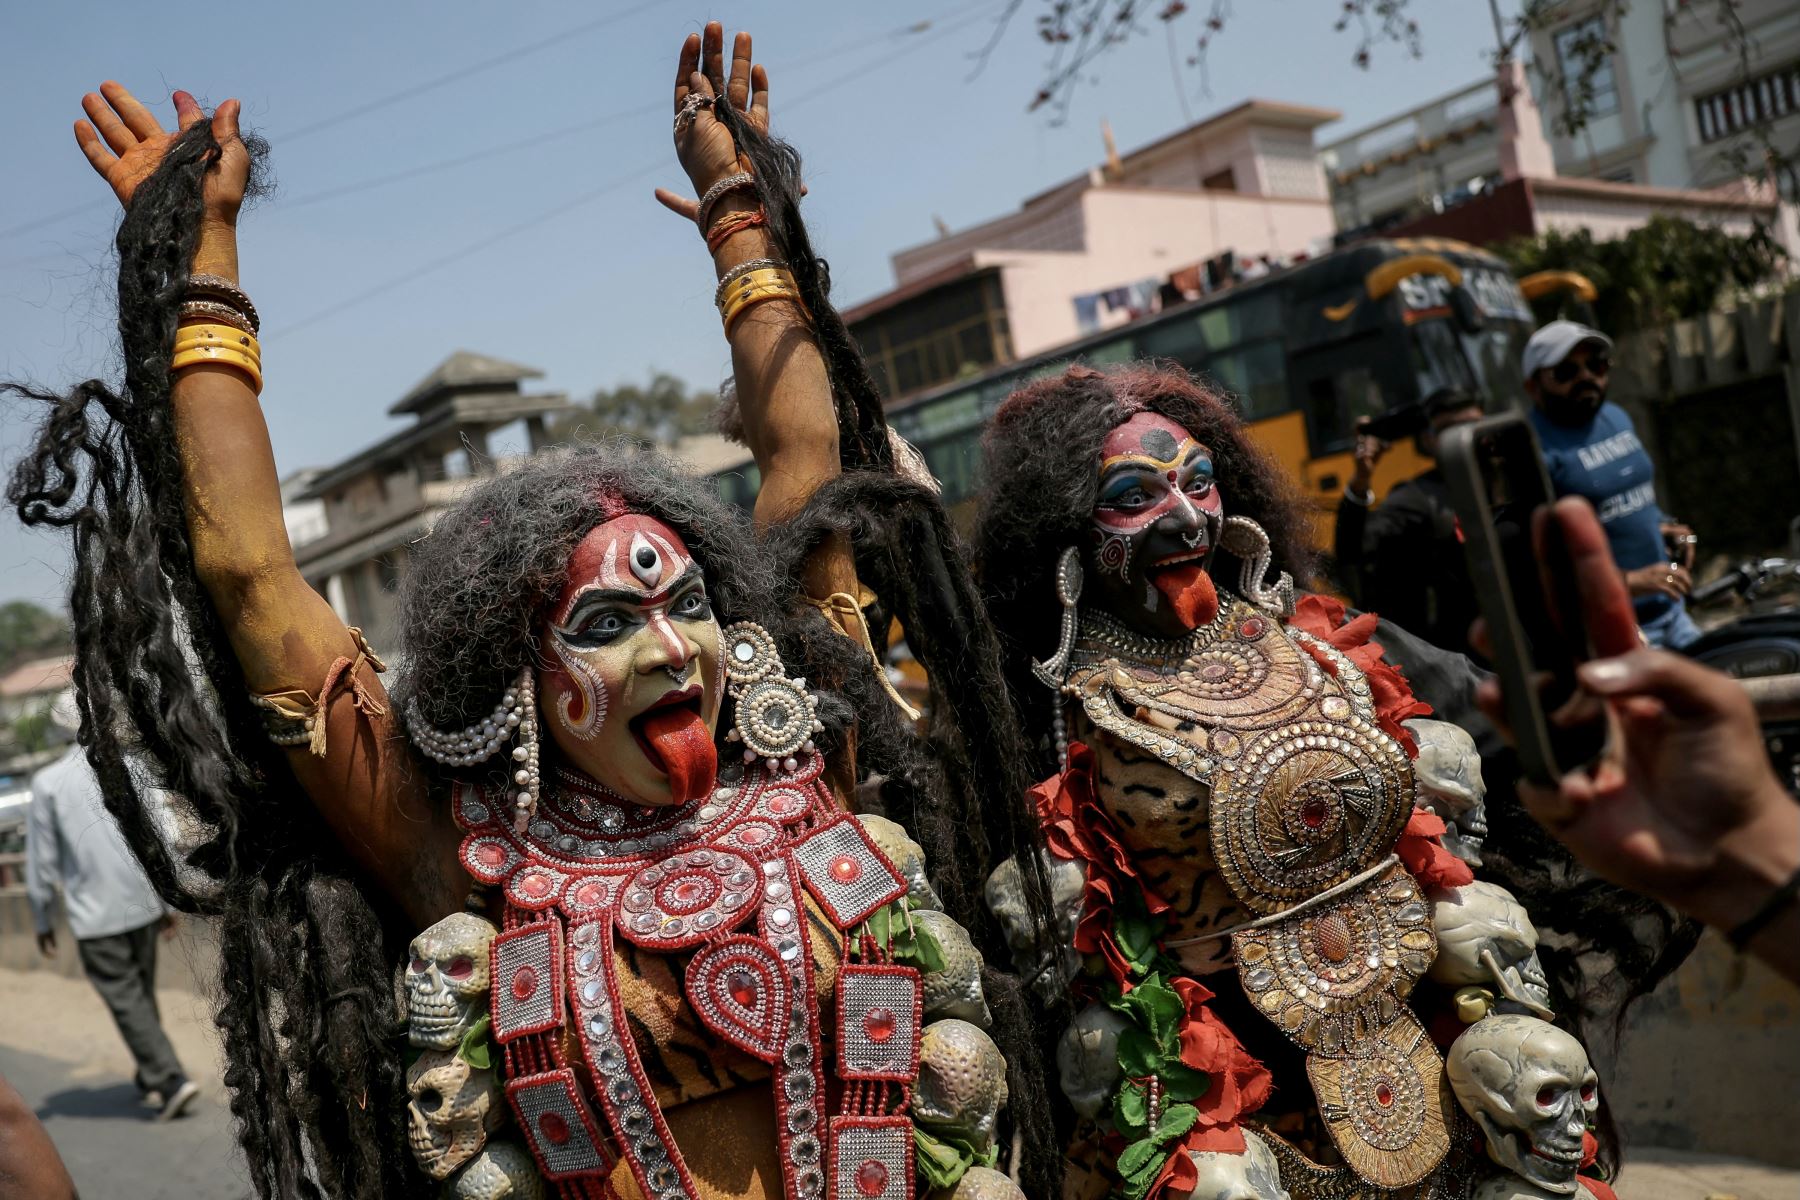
column 215, row 348
column 750, row 280
column 221, row 356
column 191, row 337
column 746, row 303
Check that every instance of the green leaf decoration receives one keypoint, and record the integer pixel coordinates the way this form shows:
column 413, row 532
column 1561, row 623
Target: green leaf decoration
column 927, row 955
column 1176, row 1120
column 942, row 1161
column 1182, row 1083
column 1141, row 1161
column 476, row 1050
column 1139, row 1055
column 1131, row 1110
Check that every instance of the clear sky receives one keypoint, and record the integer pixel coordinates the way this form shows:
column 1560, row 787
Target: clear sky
column 602, row 286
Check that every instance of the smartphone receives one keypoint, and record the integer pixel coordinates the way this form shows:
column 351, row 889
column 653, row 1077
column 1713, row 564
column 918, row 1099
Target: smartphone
column 1498, row 486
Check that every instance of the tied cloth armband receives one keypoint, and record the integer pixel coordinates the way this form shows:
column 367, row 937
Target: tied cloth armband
column 296, row 718
column 840, row 607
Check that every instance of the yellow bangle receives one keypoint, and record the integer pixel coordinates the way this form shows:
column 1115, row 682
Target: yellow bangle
column 192, row 354
column 239, row 343
column 745, row 302
column 221, row 356
column 751, row 280
column 218, row 333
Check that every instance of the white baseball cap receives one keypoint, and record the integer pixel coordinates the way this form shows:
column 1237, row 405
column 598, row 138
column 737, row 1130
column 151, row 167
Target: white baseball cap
column 1551, row 344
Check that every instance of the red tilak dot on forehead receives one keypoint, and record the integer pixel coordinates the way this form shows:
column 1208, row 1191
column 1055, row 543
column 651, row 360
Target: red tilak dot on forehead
column 1171, row 477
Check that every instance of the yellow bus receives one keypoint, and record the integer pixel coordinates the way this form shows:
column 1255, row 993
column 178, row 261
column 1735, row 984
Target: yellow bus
column 1305, row 352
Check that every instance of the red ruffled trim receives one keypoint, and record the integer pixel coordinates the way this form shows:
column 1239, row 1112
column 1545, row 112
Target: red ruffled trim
column 1239, row 1086
column 1076, row 827
column 1324, row 618
column 1423, row 853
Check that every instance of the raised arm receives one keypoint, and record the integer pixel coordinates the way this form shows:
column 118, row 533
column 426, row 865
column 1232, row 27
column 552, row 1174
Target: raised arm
column 288, row 642
column 783, row 391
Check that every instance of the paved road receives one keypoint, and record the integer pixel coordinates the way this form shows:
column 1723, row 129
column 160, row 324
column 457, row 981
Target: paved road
column 114, row 1148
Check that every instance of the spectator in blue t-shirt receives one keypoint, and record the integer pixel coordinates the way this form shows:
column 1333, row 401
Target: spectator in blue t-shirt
column 1592, row 450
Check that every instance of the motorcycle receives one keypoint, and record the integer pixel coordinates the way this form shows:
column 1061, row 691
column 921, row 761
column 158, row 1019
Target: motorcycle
column 1760, row 647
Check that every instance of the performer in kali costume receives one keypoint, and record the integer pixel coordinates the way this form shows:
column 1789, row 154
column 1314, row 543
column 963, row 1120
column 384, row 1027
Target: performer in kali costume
column 1248, row 831
column 659, row 957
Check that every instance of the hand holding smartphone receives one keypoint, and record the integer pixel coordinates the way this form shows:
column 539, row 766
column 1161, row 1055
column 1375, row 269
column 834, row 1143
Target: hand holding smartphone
column 1526, row 591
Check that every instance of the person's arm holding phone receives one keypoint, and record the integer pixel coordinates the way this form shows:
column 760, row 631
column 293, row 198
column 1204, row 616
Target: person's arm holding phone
column 1683, row 805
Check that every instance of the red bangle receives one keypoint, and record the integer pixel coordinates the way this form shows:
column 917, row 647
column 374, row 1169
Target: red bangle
column 732, row 223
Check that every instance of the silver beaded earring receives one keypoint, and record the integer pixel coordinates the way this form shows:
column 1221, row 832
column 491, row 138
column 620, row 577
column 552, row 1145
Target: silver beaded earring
column 514, row 716
column 776, row 716
column 1055, row 670
column 1246, row 539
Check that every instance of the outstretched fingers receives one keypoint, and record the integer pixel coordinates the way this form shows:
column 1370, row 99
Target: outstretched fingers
column 140, row 120
column 98, row 156
column 675, row 202
column 759, row 96
column 187, row 110
column 712, row 55
column 686, row 63
column 118, row 138
column 224, row 121
column 737, row 89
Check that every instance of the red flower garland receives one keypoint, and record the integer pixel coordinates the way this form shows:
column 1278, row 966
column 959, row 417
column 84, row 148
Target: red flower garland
column 1324, row 618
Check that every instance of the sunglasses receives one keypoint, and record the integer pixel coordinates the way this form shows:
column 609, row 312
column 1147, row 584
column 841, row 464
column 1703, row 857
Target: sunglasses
column 1566, row 370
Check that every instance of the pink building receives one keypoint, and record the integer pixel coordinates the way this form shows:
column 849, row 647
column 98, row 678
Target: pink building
column 1099, row 249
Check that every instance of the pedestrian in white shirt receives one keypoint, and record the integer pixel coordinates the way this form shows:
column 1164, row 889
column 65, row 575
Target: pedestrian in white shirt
column 71, row 841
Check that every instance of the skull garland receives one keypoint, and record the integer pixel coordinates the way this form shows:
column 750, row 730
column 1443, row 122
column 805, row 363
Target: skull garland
column 501, row 1172
column 962, row 1083
column 454, row 1107
column 447, row 981
column 956, row 990
column 1448, row 774
column 1529, row 1088
column 1005, row 896
column 1087, row 1058
column 1486, row 939
column 891, row 838
column 985, row 1183
column 1252, row 1175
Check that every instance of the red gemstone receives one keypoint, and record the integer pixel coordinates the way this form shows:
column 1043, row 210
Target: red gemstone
column 742, row 985
column 535, row 885
column 589, row 894
column 489, row 855
column 689, row 890
column 1252, row 627
column 879, row 1024
column 783, row 803
column 871, row 1178
column 846, row 869
column 554, row 1128
column 1314, row 812
column 752, row 835
column 1384, row 1095
column 524, row 983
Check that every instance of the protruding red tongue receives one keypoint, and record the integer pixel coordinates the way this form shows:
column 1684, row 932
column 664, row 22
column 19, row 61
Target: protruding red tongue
column 679, row 738
column 1189, row 591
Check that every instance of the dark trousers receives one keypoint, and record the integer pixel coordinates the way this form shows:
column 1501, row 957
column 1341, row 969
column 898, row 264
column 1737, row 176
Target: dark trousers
column 122, row 967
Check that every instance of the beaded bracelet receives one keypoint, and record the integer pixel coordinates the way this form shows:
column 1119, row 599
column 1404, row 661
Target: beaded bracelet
column 217, row 312
column 731, row 183
column 219, row 288
column 732, row 223
column 742, row 269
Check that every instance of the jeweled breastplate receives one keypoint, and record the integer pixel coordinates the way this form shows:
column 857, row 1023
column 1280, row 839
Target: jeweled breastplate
column 1308, row 796
column 724, row 880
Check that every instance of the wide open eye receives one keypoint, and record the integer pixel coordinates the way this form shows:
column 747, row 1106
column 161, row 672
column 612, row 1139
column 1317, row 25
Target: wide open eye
column 600, row 629
column 693, row 606
column 1126, row 496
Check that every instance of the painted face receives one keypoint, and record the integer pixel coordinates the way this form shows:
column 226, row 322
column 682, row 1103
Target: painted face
column 632, row 694
column 1155, row 523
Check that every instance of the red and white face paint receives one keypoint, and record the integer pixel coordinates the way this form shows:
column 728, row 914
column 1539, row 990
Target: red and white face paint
column 634, row 694
column 1156, row 518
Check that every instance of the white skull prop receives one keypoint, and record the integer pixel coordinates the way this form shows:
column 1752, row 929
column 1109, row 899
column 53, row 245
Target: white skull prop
column 1448, row 771
column 891, row 838
column 954, row 991
column 447, row 981
column 1486, row 938
column 962, row 1082
column 1087, row 1058
column 501, row 1172
column 453, row 1108
column 1530, row 1090
column 1252, row 1175
column 1005, row 894
column 1506, row 1186
column 985, row 1183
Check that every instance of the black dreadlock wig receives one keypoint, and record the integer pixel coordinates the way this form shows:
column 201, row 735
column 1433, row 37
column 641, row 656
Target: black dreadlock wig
column 964, row 794
column 1602, row 947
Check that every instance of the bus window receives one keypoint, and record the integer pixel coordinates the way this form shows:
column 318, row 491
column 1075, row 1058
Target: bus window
column 1256, row 374
column 1437, row 358
column 1495, row 353
column 1334, row 403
